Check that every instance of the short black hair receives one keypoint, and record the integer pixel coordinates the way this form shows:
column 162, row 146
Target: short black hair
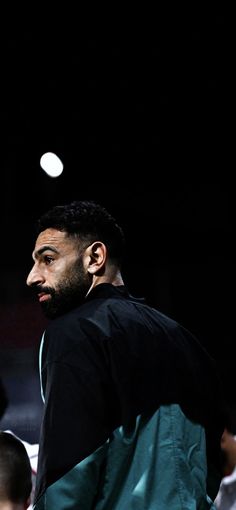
column 15, row 469
column 90, row 222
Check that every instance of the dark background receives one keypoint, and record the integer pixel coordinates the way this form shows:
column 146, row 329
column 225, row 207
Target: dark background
column 142, row 115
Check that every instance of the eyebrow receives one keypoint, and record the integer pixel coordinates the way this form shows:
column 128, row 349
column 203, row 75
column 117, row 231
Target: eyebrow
column 39, row 252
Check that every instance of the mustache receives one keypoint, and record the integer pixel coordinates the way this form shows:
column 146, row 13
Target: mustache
column 38, row 289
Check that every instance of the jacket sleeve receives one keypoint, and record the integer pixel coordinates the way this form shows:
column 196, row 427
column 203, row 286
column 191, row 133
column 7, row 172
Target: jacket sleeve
column 75, row 427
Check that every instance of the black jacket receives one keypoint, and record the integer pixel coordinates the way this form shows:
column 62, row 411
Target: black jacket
column 109, row 361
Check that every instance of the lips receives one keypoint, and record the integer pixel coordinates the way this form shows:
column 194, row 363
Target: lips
column 43, row 297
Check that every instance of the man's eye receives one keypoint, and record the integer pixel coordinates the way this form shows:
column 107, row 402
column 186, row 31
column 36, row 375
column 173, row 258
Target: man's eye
column 48, row 259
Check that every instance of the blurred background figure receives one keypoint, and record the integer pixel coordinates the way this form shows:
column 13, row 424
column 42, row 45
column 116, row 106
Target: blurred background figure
column 32, row 451
column 226, row 498
column 15, row 473
column 228, row 445
column 11, row 467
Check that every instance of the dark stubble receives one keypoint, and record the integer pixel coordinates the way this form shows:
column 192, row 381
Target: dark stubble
column 69, row 293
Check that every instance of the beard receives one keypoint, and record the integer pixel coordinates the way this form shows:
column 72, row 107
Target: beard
column 69, row 293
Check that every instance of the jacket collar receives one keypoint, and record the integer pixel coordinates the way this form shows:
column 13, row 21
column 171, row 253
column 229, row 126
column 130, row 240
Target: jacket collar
column 106, row 290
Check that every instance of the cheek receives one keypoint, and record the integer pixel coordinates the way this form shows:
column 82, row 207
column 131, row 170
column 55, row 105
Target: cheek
column 59, row 268
column 55, row 273
column 71, row 273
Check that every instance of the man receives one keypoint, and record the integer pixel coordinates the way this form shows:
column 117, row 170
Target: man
column 15, row 473
column 132, row 417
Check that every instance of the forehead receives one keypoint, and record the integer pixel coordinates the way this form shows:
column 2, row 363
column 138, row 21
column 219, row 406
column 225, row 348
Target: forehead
column 54, row 238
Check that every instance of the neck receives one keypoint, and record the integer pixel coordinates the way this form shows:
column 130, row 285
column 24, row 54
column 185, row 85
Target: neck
column 114, row 277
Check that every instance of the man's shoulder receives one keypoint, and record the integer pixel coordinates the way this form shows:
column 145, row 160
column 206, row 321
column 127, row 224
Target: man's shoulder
column 101, row 316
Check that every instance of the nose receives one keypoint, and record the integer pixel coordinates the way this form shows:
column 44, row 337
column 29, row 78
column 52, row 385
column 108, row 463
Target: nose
column 34, row 277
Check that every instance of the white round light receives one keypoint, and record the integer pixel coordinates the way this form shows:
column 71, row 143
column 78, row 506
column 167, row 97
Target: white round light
column 51, row 164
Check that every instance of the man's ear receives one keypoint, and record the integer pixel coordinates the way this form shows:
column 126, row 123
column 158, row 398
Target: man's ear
column 95, row 257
